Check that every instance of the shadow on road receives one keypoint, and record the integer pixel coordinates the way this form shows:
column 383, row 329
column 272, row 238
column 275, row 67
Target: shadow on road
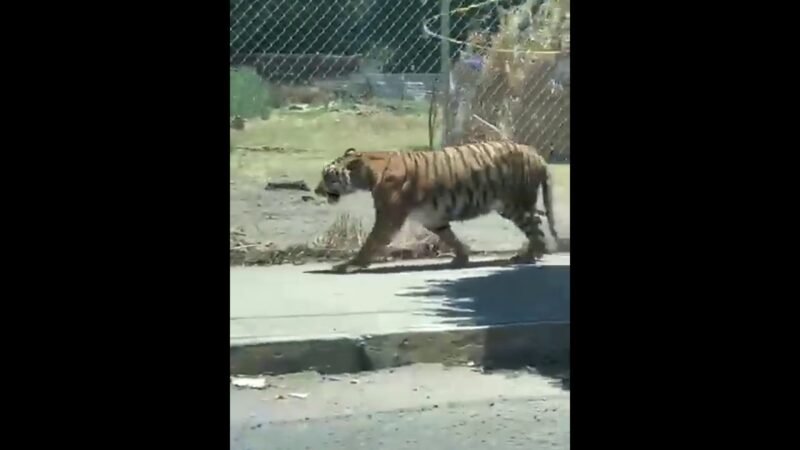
column 505, row 299
column 509, row 299
column 530, row 293
column 427, row 267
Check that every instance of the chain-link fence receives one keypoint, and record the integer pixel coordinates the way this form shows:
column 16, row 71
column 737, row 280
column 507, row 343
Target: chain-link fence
column 310, row 78
column 510, row 79
column 505, row 74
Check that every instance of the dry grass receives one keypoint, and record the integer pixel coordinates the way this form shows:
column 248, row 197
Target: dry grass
column 341, row 241
column 513, row 90
column 346, row 233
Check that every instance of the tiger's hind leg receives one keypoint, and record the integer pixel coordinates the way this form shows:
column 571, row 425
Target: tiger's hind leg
column 445, row 233
column 529, row 222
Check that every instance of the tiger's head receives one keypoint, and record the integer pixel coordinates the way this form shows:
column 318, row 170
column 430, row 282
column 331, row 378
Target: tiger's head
column 342, row 176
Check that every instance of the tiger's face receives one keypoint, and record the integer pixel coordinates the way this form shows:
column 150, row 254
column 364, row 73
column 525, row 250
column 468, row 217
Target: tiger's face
column 338, row 176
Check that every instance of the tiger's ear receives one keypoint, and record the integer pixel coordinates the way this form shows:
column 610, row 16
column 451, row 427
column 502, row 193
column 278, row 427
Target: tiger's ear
column 349, row 151
column 355, row 164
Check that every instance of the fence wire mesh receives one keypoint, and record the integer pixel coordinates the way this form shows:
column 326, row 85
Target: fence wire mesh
column 310, row 78
column 510, row 78
column 508, row 65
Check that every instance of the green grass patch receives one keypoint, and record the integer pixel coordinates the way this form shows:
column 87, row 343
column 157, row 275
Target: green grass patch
column 249, row 95
column 308, row 139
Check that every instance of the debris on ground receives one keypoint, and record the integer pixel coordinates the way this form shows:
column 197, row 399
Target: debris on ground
column 250, row 382
column 242, row 249
column 298, row 185
column 298, row 395
column 237, row 123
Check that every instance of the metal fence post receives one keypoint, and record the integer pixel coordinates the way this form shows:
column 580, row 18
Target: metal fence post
column 445, row 69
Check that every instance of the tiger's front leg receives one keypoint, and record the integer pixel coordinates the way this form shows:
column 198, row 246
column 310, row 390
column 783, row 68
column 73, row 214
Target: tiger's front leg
column 446, row 235
column 385, row 228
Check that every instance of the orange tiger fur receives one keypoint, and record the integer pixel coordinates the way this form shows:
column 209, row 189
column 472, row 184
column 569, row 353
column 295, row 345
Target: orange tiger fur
column 440, row 186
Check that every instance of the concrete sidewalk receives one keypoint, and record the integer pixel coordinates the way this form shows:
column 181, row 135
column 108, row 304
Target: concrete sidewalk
column 291, row 318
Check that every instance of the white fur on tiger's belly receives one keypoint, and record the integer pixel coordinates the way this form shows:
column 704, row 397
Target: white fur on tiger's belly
column 429, row 216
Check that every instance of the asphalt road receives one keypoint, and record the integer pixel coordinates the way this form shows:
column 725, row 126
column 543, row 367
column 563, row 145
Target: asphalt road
column 416, row 407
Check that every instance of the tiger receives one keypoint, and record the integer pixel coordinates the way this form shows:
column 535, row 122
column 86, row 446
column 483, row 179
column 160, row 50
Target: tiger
column 437, row 187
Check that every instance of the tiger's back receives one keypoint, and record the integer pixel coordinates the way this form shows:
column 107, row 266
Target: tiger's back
column 464, row 182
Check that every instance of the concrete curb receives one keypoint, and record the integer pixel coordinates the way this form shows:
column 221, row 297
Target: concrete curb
column 540, row 345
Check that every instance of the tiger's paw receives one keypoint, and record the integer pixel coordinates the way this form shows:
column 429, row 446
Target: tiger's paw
column 459, row 261
column 524, row 258
column 347, row 267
